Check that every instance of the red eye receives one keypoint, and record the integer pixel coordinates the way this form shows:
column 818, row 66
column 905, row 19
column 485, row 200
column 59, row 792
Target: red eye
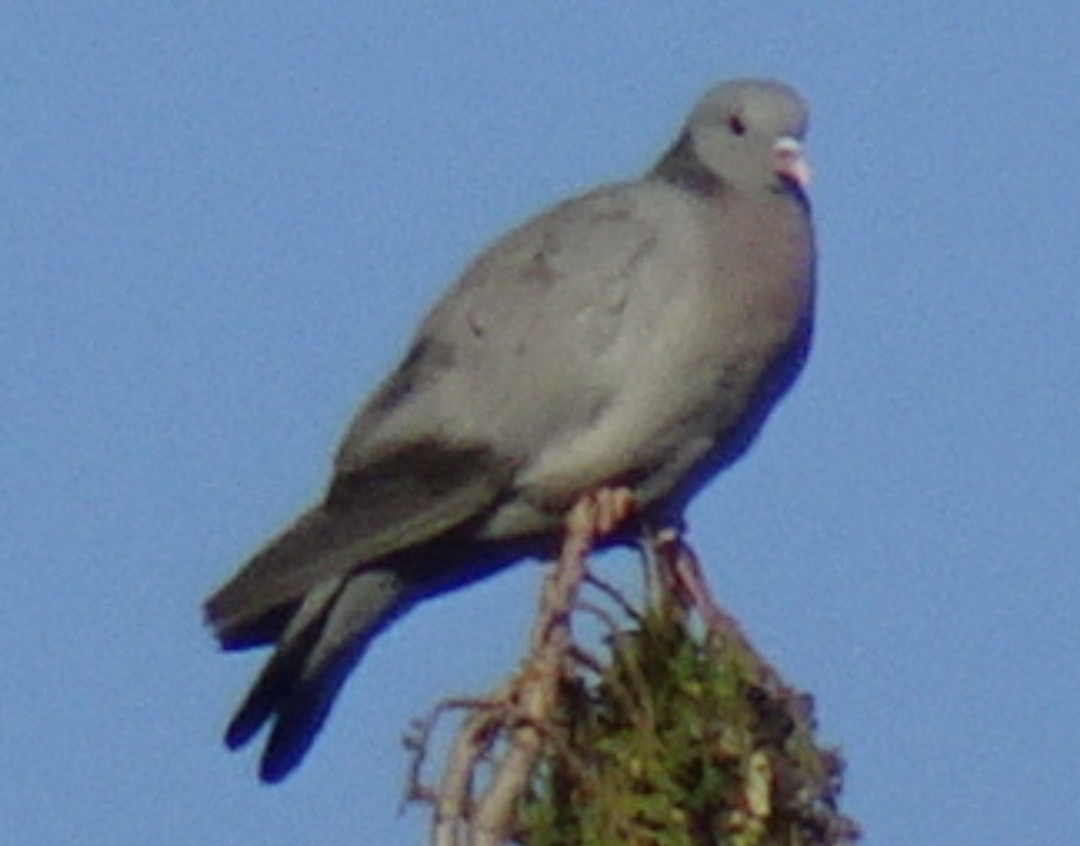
column 736, row 125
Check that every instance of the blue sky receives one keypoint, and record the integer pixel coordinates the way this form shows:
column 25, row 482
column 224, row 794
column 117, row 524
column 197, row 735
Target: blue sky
column 219, row 225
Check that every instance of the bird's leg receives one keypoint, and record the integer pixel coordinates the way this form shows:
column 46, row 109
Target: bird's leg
column 597, row 514
column 681, row 571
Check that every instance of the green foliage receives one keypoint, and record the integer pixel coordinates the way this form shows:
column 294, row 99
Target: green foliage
column 681, row 739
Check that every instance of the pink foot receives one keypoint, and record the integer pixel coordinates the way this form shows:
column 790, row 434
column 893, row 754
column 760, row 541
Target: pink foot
column 599, row 513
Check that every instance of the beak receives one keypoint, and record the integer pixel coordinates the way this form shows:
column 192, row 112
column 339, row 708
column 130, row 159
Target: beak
column 790, row 164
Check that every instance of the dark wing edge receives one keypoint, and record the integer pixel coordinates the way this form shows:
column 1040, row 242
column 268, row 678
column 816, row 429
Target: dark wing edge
column 409, row 496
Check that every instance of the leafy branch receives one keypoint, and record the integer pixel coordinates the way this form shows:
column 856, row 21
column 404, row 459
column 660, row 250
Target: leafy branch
column 679, row 734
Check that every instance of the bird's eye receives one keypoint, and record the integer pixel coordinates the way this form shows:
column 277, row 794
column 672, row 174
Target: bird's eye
column 737, row 125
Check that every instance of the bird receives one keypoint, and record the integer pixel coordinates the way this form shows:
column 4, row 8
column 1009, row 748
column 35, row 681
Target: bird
column 636, row 337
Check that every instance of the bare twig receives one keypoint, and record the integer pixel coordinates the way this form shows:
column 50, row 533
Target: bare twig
column 585, row 659
column 453, row 801
column 540, row 681
column 418, row 742
column 615, row 595
column 522, row 709
column 607, row 620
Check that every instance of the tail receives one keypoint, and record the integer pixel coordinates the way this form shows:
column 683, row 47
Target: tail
column 392, row 531
column 322, row 634
column 324, row 639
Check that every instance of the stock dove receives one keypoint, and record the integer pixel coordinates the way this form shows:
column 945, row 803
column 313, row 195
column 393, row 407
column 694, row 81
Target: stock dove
column 634, row 337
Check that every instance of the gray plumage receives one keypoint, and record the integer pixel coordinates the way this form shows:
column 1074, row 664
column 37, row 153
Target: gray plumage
column 635, row 336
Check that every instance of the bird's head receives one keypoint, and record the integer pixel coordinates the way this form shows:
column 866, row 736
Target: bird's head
column 748, row 132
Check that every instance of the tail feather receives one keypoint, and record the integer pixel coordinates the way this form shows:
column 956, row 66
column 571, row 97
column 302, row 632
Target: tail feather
column 322, row 642
column 296, row 641
column 364, row 606
column 262, row 630
column 321, row 634
column 255, row 606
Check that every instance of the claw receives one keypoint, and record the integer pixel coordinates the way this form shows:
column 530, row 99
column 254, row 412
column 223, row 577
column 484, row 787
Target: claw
column 599, row 513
